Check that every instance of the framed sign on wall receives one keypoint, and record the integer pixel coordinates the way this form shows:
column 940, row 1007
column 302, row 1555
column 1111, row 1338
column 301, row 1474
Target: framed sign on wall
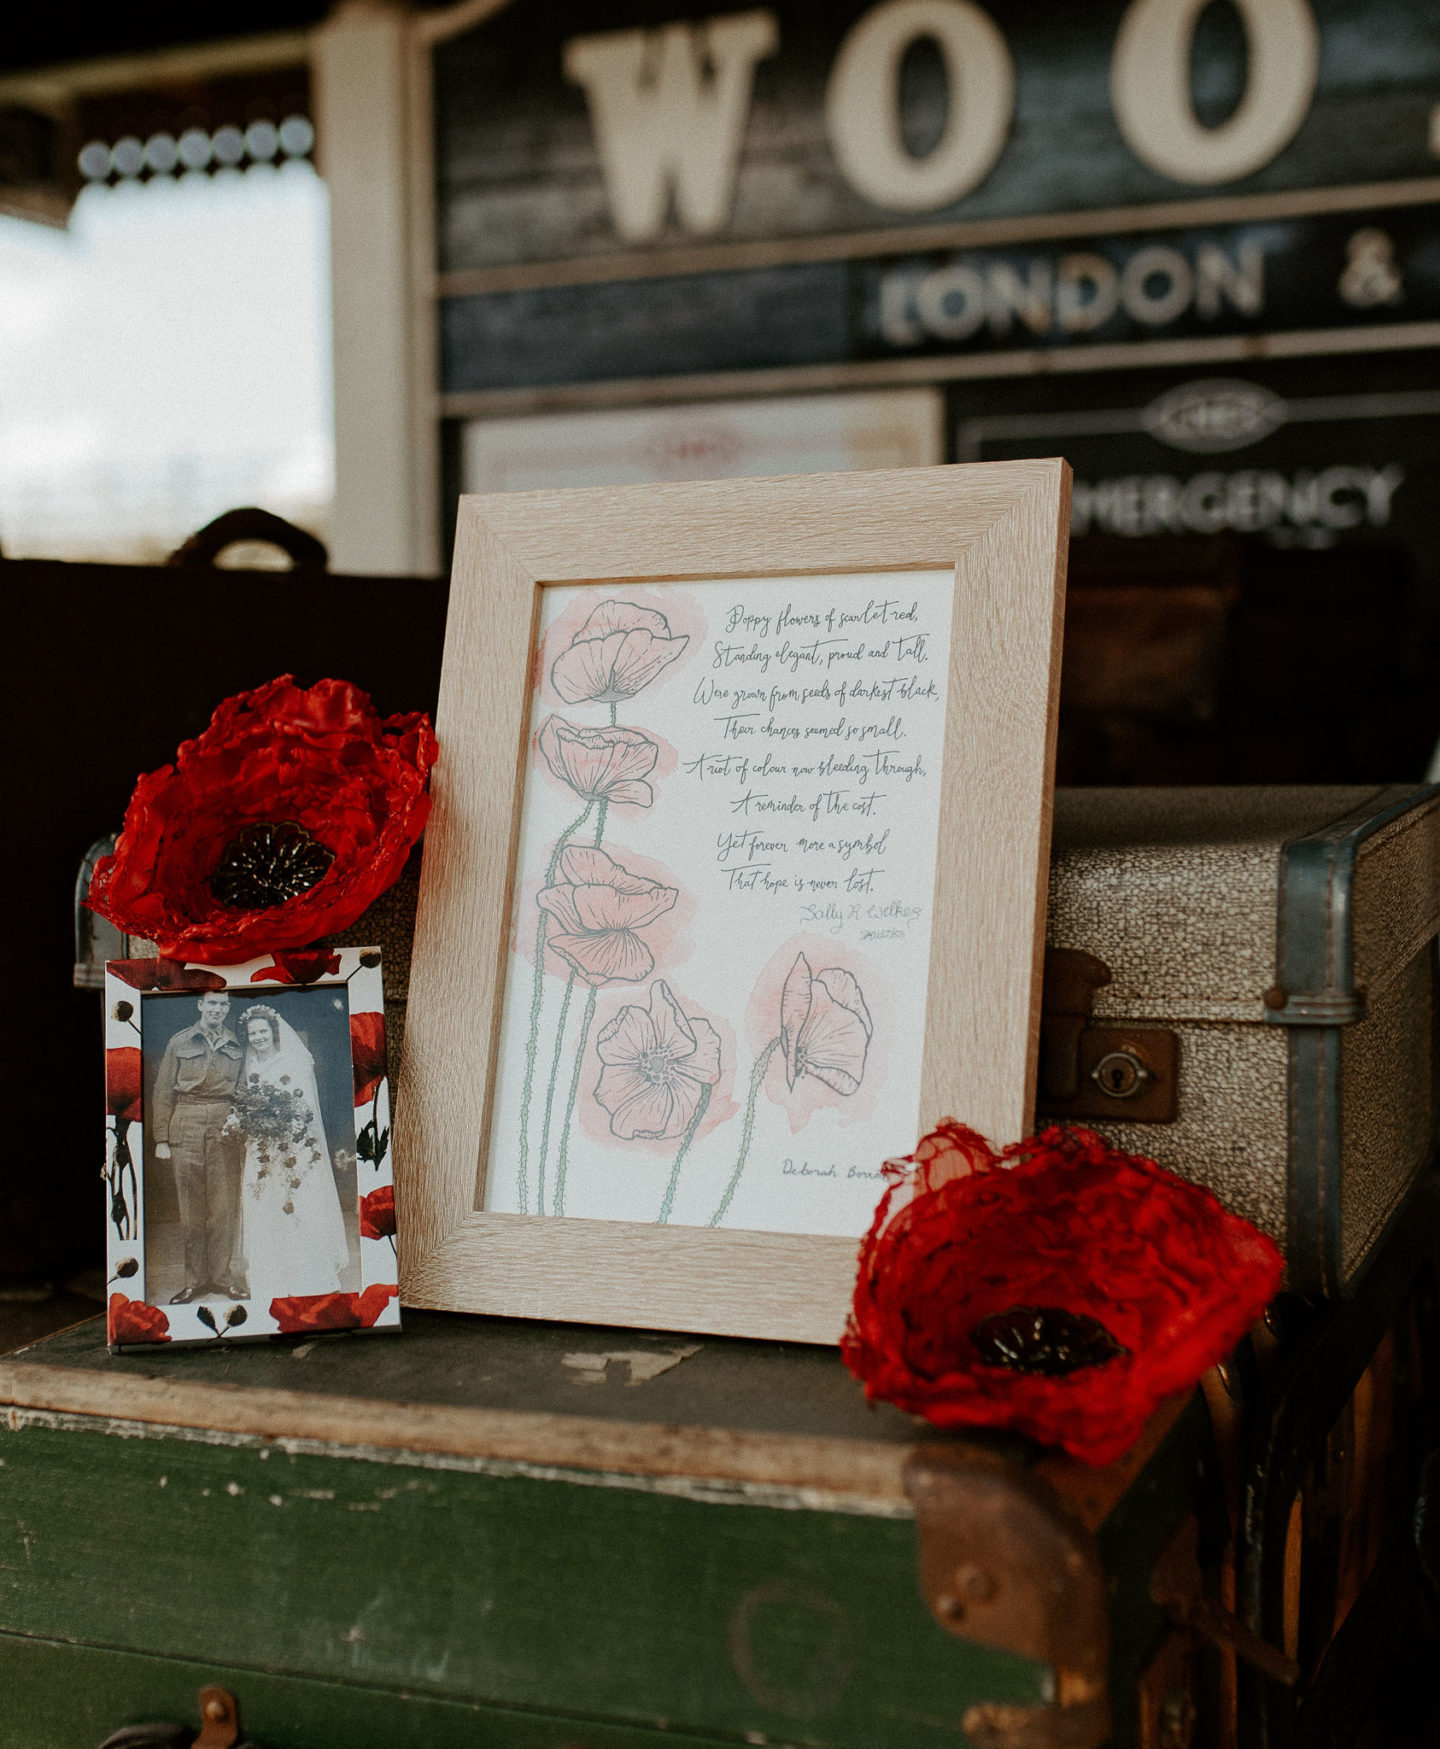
column 734, row 883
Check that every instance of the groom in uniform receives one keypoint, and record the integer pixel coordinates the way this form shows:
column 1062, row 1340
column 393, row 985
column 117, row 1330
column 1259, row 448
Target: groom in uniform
column 194, row 1095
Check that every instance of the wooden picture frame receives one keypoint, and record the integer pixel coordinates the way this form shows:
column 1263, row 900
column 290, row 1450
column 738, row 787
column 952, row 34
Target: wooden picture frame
column 1001, row 530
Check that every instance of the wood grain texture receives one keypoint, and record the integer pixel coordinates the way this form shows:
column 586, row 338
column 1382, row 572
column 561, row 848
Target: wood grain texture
column 1001, row 526
column 824, row 1472
column 860, row 1472
column 717, row 1281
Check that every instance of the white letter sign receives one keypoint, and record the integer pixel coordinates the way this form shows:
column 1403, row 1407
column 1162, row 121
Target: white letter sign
column 862, row 109
column 1150, row 88
column 659, row 124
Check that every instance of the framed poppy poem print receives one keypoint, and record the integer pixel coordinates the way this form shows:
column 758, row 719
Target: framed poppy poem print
column 733, row 885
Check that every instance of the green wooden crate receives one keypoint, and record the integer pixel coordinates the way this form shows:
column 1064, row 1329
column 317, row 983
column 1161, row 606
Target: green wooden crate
column 521, row 1536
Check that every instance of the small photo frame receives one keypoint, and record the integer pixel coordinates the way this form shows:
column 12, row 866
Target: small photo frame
column 247, row 1149
column 734, row 884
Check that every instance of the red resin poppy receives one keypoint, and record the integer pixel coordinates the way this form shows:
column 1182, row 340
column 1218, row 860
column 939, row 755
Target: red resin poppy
column 122, row 1082
column 377, row 1213
column 134, row 1321
column 309, row 1314
column 317, row 768
column 367, row 1054
column 1062, row 1223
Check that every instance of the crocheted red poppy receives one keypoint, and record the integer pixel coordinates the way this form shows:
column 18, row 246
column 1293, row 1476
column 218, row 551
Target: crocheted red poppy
column 281, row 823
column 1060, row 1289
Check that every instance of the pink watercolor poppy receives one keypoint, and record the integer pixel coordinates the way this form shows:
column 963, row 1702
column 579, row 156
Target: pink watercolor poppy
column 657, row 1063
column 600, row 764
column 825, row 1027
column 616, row 653
column 597, row 907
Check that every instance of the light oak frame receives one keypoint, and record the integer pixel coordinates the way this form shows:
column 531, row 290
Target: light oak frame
column 1003, row 526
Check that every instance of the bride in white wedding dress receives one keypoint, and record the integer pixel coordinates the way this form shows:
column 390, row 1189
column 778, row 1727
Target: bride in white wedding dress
column 293, row 1231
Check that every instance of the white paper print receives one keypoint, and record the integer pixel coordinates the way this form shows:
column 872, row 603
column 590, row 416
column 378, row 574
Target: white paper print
column 715, row 1001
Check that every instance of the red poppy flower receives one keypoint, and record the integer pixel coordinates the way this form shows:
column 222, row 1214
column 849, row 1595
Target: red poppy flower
column 298, row 966
column 163, row 974
column 298, row 805
column 600, row 764
column 969, row 1271
column 377, row 1213
column 367, row 1054
column 597, row 906
column 309, row 1314
column 134, row 1321
column 122, row 1082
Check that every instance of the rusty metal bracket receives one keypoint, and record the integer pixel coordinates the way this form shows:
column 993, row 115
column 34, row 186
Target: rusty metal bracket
column 1002, row 1563
column 219, row 1719
column 219, row 1728
column 1177, row 1585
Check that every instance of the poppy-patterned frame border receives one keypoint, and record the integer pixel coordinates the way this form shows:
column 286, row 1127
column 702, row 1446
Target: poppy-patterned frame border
column 132, row 1319
column 1003, row 527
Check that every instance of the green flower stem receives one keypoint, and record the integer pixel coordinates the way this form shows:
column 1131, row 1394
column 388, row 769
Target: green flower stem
column 681, row 1152
column 563, row 1159
column 600, row 820
column 550, row 1095
column 757, row 1075
column 532, row 1044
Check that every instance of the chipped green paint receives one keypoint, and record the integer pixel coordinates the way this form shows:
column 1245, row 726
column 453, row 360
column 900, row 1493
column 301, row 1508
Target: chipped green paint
column 636, row 1606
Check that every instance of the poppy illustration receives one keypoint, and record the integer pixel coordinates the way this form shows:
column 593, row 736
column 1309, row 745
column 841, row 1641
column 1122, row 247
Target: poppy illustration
column 377, row 1213
column 309, row 1314
column 164, row 974
column 122, row 1082
column 596, row 909
column 280, row 823
column 825, row 1027
column 1060, row 1289
column 134, row 1321
column 615, row 654
column 657, row 1064
column 298, row 966
column 367, row 1053
column 608, row 765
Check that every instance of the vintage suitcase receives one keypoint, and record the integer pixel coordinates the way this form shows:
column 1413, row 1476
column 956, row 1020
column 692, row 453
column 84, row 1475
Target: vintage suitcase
column 525, row 1536
column 1240, row 983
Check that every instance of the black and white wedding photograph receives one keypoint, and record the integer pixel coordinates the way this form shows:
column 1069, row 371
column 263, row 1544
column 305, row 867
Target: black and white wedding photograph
column 249, row 1167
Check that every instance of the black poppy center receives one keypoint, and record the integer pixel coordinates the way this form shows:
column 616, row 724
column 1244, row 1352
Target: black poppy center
column 1044, row 1339
column 268, row 863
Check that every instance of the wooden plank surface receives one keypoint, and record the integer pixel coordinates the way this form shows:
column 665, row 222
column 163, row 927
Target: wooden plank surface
column 546, row 1398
